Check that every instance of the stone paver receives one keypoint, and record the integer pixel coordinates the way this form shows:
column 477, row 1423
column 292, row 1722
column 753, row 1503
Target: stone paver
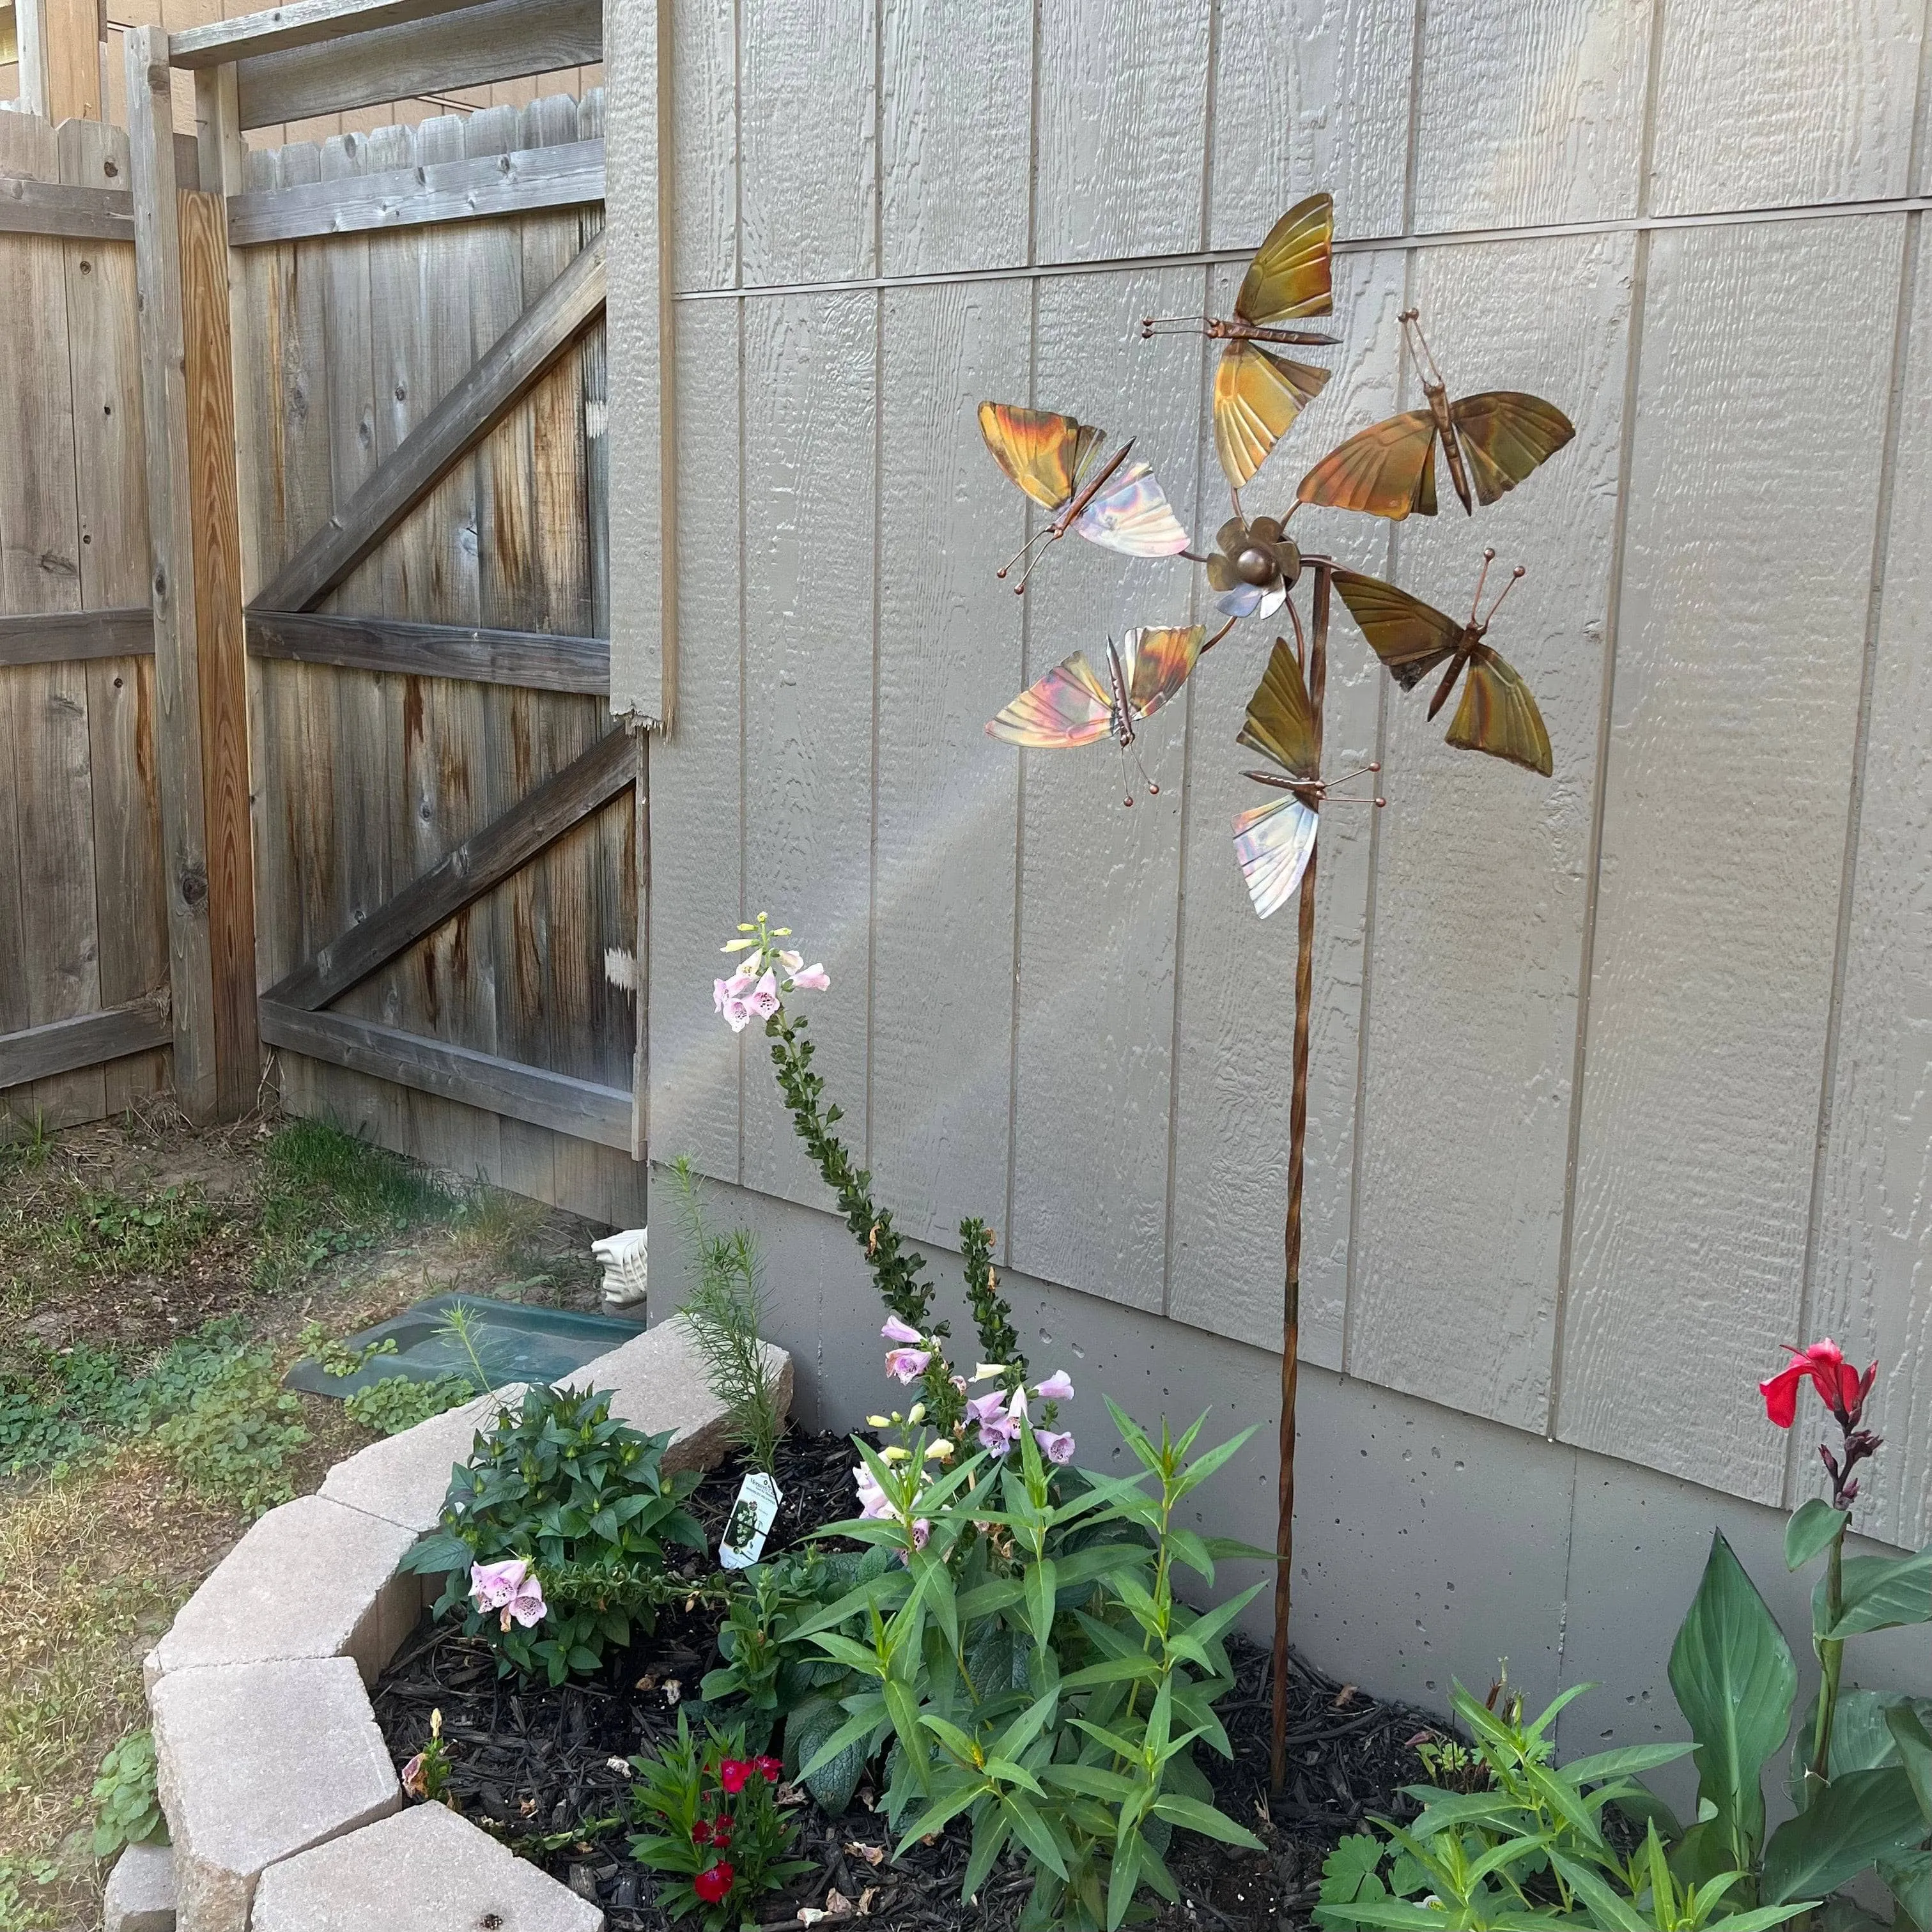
column 424, row 1871
column 140, row 1892
column 312, row 1579
column 258, row 1761
column 657, row 1382
column 403, row 1478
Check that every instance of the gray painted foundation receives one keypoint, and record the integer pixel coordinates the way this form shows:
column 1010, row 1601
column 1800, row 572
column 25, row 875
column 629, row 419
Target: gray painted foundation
column 1428, row 1544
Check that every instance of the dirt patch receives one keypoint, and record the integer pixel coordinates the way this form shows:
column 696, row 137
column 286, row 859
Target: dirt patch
column 119, row 1245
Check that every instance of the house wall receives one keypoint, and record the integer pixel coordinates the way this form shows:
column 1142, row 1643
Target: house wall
column 1620, row 1078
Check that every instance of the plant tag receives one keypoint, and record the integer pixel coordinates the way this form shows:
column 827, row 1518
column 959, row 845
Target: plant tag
column 752, row 1516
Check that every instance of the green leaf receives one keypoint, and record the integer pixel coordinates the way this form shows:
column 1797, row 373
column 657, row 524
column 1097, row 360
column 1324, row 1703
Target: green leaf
column 1041, row 1587
column 1608, row 1908
column 1915, row 1753
column 1851, row 1822
column 1193, row 1816
column 1198, row 1472
column 1881, row 1593
column 939, row 1813
column 1812, row 1526
column 1910, row 1877
column 1139, row 1666
column 1354, row 1861
column 1627, row 1761
column 1122, row 1880
column 1089, row 1780
column 1033, row 1831
column 1732, row 1673
column 990, row 1831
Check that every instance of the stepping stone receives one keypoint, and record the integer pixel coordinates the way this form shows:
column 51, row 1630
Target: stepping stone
column 423, row 1870
column 657, row 1382
column 312, row 1579
column 403, row 1478
column 258, row 1761
column 140, row 1892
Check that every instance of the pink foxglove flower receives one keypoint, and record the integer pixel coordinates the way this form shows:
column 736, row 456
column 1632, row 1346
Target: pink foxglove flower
column 1058, row 1386
column 813, row 979
column 873, row 1502
column 790, row 962
column 902, row 1332
column 998, row 1430
column 907, row 1365
column 511, row 1588
column 1055, row 1447
column 922, row 1529
column 763, row 998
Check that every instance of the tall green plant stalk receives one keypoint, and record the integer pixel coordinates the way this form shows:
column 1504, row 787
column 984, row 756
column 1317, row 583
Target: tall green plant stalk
column 1830, row 1656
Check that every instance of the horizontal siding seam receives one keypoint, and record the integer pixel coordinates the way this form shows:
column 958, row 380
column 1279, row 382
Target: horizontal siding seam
column 1364, row 244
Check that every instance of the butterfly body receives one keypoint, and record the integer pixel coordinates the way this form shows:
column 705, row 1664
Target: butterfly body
column 1257, row 395
column 1274, row 842
column 1497, row 714
column 1490, row 443
column 1055, row 460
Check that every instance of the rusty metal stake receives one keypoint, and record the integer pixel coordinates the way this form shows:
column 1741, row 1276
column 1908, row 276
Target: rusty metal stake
column 1317, row 669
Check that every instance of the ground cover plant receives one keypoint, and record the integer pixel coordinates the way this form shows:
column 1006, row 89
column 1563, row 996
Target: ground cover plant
column 142, row 1423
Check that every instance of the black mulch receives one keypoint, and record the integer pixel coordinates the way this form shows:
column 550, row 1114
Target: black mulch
column 543, row 1769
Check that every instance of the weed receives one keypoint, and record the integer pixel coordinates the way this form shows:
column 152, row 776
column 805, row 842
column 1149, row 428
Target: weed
column 495, row 1225
column 325, row 1193
column 233, row 1441
column 114, row 1234
column 127, row 1806
column 396, row 1402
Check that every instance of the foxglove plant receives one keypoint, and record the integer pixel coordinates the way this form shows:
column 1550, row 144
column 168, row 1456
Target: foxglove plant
column 765, row 973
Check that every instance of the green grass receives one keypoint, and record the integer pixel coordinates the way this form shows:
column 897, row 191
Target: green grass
column 325, row 1193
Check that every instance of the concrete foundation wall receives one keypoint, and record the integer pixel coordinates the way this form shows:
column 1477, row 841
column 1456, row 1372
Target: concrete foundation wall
column 1428, row 1544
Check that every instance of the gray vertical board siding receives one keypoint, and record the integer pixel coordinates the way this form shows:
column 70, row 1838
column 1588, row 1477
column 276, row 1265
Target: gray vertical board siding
column 1100, row 884
column 1783, row 104
column 949, row 657
column 1482, row 871
column 955, row 128
column 1121, row 111
column 1530, row 114
column 809, row 507
column 703, row 160
column 1733, row 714
column 1871, row 1276
column 1234, row 1026
column 1301, row 104
column 808, row 161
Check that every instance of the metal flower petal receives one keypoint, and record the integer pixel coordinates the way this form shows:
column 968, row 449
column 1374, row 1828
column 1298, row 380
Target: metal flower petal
column 1253, row 565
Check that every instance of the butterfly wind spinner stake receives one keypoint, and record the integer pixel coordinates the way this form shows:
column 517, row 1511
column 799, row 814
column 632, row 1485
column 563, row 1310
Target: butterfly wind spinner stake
column 1490, row 442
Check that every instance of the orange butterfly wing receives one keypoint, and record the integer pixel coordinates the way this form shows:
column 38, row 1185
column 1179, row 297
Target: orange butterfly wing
column 1498, row 716
column 1387, row 469
column 1256, row 396
column 1410, row 637
column 1158, row 660
column 1291, row 273
column 1280, row 723
column 1505, row 434
column 1042, row 452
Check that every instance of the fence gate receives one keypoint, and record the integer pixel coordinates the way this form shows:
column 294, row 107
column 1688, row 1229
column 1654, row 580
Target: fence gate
column 446, row 822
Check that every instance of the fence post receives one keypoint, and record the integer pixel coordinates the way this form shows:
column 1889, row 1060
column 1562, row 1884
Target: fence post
column 164, row 412
column 60, row 43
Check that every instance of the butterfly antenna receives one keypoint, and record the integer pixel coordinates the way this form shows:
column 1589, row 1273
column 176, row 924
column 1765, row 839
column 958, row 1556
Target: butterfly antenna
column 1411, row 319
column 1482, row 578
column 1516, row 576
column 1045, row 534
column 1153, row 789
column 1127, row 783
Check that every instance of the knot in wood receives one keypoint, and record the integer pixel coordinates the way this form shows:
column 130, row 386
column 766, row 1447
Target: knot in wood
column 194, row 887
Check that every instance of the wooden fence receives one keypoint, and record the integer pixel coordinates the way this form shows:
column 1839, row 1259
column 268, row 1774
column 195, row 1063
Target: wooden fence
column 314, row 766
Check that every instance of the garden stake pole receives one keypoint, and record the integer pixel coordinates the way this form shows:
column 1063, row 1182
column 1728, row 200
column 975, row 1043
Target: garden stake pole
column 1297, row 1150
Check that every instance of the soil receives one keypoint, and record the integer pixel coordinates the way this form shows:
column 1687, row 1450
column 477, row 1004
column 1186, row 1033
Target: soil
column 541, row 1767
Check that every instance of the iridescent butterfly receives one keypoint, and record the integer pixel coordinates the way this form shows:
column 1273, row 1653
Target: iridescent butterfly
column 1071, row 706
column 1274, row 842
column 1497, row 714
column 1257, row 395
column 1491, row 442
column 1053, row 459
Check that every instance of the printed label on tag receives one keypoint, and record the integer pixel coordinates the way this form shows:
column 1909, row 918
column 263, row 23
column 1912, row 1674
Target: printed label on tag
column 752, row 1516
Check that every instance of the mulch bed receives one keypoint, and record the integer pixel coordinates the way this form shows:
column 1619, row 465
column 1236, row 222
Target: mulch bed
column 538, row 1767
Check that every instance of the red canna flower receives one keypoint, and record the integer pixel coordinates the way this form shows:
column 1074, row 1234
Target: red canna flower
column 711, row 1886
column 732, row 1773
column 700, row 1832
column 770, row 1769
column 1842, row 1388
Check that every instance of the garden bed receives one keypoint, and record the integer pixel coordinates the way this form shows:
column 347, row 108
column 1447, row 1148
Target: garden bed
column 541, row 1768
